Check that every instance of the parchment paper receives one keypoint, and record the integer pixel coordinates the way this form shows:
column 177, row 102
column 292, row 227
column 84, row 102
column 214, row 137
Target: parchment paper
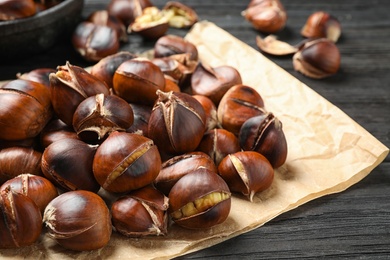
column 328, row 152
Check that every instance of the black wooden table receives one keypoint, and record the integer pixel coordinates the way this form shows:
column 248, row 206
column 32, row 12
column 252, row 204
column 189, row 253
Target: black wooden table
column 351, row 224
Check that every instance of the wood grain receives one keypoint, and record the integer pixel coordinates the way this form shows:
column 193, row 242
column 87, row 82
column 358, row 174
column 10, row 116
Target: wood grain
column 352, row 224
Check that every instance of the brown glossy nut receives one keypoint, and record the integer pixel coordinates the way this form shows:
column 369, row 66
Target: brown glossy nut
column 98, row 116
column 54, row 131
column 317, row 59
column 40, row 75
column 264, row 134
column 20, row 219
column 142, row 212
column 104, row 18
column 94, row 42
column 200, row 199
column 321, row 24
column 137, row 81
column 71, row 85
column 27, row 143
column 169, row 45
column 175, row 168
column 210, row 109
column 141, row 119
column 218, row 143
column 67, row 163
column 267, row 16
column 170, row 67
column 180, row 15
column 171, row 84
column 106, row 67
column 37, row 188
column 177, row 123
column 127, row 10
column 125, row 162
column 246, row 172
column 25, row 109
column 18, row 160
column 151, row 24
column 11, row 9
column 214, row 82
column 239, row 103
column 78, row 220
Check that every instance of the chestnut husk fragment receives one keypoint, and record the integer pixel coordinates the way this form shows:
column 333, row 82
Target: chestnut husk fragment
column 264, row 134
column 200, row 199
column 140, row 213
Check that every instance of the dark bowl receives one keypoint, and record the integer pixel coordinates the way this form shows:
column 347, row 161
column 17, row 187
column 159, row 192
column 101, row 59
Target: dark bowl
column 39, row 32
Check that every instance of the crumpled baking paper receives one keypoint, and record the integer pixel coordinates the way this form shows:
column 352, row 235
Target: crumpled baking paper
column 328, row 152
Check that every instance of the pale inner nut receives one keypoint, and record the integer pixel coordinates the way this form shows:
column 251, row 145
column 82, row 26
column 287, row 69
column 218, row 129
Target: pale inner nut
column 200, row 205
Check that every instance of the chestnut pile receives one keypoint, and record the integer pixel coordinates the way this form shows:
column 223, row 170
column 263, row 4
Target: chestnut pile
column 135, row 145
column 17, row 9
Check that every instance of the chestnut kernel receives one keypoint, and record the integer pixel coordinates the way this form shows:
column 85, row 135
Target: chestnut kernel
column 177, row 123
column 264, row 134
column 237, row 105
column 20, row 219
column 125, row 162
column 98, row 116
column 200, row 199
column 78, row 220
column 246, row 172
column 317, row 59
column 142, row 212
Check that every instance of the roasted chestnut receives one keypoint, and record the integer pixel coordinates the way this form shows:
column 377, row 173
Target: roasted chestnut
column 214, row 82
column 106, row 67
column 180, row 15
column 321, row 24
column 142, row 212
column 246, row 172
column 78, row 220
column 98, row 116
column 37, row 188
column 264, row 134
column 25, row 109
column 175, row 168
column 267, row 16
column 151, row 24
column 69, row 86
column 94, row 42
column 40, row 75
column 137, row 81
column 104, row 18
column 200, row 199
column 127, row 10
column 11, row 9
column 18, row 160
column 20, row 219
column 218, row 143
column 177, row 123
column 211, row 111
column 169, row 45
column 67, row 163
column 141, row 119
column 317, row 59
column 54, row 131
column 125, row 162
column 239, row 103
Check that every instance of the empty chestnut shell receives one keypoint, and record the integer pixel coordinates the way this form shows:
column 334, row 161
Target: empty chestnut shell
column 67, row 163
column 177, row 123
column 200, row 199
column 78, row 220
column 20, row 219
column 264, row 134
column 239, row 103
column 175, row 168
column 125, row 162
column 137, row 81
column 246, row 172
column 142, row 212
column 98, row 116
